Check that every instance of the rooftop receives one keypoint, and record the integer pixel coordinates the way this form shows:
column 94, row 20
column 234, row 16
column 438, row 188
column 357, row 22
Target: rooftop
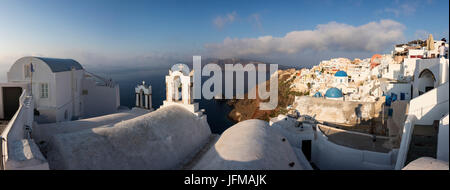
column 333, row 93
column 60, row 65
column 340, row 74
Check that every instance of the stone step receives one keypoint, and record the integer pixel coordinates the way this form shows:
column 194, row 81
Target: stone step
column 423, row 142
column 425, row 130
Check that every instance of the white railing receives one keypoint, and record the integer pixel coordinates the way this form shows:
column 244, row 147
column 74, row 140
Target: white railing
column 16, row 128
column 424, row 109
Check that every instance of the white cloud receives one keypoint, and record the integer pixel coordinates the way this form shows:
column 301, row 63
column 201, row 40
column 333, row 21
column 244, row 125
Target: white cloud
column 221, row 21
column 256, row 20
column 407, row 8
column 370, row 37
column 403, row 9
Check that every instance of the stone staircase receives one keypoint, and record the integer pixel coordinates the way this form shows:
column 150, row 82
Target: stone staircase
column 423, row 142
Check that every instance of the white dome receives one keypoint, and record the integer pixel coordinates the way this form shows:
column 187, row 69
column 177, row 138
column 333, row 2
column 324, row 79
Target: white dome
column 250, row 144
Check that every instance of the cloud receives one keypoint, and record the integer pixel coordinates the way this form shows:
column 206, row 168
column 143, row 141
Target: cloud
column 370, row 37
column 402, row 9
column 221, row 21
column 256, row 20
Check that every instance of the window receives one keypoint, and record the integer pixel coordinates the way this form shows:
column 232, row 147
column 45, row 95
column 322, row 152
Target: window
column 27, row 70
column 44, row 90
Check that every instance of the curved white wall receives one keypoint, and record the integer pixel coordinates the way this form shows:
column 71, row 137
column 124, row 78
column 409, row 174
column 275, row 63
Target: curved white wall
column 442, row 148
column 327, row 155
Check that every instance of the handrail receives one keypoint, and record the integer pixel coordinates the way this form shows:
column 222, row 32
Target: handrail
column 106, row 81
column 406, row 140
column 4, row 134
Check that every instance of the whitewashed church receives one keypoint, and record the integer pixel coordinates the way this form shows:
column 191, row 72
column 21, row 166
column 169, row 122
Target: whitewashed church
column 62, row 90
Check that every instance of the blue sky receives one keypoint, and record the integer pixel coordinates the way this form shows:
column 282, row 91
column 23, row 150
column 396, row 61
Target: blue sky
column 154, row 32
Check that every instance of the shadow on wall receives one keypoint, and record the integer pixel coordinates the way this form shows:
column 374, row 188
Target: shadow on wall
column 358, row 114
column 357, row 141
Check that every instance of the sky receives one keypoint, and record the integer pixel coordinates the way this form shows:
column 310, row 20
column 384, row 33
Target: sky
column 135, row 33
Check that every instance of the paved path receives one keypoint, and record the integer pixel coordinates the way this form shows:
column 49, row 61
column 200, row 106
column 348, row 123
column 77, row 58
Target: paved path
column 352, row 140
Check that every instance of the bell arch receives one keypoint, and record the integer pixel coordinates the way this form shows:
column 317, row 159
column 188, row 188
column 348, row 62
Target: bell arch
column 143, row 96
column 179, row 88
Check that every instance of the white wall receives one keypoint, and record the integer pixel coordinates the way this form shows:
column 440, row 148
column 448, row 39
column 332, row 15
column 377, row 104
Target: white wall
column 396, row 71
column 442, row 148
column 430, row 106
column 397, row 88
column 99, row 100
column 409, row 65
column 330, row 156
column 68, row 95
column 416, row 52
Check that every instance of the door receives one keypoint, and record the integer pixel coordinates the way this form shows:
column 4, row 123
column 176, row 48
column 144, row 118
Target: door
column 11, row 101
column 402, row 96
column 428, row 88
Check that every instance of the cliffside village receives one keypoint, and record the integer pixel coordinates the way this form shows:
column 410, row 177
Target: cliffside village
column 366, row 80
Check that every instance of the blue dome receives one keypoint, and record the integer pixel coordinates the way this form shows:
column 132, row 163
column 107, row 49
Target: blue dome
column 340, row 74
column 333, row 93
column 317, row 94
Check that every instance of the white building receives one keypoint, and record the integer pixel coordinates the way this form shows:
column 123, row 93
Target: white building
column 340, row 80
column 393, row 71
column 427, row 111
column 429, row 74
column 402, row 90
column 62, row 90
